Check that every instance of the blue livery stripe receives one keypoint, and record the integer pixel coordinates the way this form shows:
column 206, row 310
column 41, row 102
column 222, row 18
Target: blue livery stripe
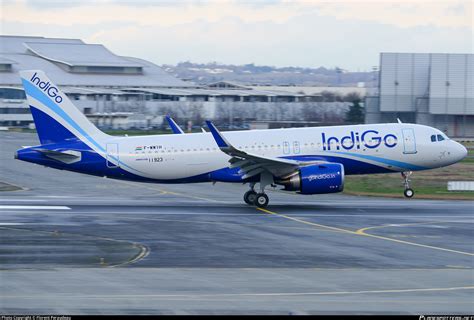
column 390, row 162
column 48, row 129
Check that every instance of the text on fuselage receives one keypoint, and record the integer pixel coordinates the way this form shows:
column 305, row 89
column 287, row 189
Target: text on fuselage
column 369, row 139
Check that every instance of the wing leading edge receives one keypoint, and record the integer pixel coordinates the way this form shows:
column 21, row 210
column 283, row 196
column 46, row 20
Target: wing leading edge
column 252, row 164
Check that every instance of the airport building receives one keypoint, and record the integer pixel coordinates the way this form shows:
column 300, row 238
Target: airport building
column 434, row 89
column 124, row 92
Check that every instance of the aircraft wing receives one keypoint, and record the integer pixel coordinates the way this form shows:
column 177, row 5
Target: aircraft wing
column 174, row 126
column 252, row 164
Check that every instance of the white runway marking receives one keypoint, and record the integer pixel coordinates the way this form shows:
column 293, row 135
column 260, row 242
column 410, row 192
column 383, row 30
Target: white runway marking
column 22, row 200
column 34, row 207
column 233, row 295
column 299, row 215
column 61, row 197
column 92, row 213
column 11, row 223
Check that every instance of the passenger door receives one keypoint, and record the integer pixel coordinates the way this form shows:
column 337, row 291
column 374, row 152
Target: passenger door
column 409, row 141
column 112, row 155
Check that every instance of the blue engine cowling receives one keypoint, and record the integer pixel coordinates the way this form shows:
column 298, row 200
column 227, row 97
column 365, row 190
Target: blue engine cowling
column 317, row 179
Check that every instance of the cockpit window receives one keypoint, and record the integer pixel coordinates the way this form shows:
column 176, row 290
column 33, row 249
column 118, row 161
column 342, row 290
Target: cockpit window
column 440, row 137
column 433, row 138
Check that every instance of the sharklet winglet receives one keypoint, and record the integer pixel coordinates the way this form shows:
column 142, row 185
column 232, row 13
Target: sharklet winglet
column 218, row 137
column 174, row 126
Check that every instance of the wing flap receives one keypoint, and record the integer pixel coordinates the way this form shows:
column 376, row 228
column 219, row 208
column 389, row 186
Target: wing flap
column 254, row 172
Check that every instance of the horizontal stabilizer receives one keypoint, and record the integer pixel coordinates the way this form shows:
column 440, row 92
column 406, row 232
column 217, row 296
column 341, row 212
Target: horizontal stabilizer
column 67, row 156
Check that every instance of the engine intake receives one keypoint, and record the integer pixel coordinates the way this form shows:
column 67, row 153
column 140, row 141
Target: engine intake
column 316, row 179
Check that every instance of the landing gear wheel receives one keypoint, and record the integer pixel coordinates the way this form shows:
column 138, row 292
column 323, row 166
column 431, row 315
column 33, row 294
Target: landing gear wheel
column 409, row 193
column 261, row 200
column 249, row 197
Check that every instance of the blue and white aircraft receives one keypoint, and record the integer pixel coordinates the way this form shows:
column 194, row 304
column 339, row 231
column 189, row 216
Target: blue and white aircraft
column 305, row 160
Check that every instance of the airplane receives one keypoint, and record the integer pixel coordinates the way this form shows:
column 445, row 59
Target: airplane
column 311, row 160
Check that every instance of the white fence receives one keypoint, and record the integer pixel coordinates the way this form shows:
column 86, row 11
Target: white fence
column 460, row 185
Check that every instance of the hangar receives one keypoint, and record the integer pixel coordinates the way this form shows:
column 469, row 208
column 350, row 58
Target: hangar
column 435, row 89
column 110, row 88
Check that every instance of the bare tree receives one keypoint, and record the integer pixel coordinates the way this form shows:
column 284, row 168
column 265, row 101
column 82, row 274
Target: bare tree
column 311, row 112
column 352, row 96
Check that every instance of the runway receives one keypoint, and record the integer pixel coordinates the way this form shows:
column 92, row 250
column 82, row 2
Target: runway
column 74, row 244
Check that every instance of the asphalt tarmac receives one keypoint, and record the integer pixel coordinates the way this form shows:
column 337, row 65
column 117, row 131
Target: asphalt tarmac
column 76, row 244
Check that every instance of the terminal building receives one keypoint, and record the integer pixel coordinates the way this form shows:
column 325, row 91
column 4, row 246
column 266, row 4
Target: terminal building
column 434, row 89
column 122, row 92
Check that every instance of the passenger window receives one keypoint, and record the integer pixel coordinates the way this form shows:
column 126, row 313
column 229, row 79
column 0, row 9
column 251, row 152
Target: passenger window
column 433, row 138
column 440, row 137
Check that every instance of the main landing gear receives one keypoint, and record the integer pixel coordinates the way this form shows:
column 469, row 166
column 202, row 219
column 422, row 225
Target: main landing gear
column 408, row 191
column 249, row 196
column 259, row 199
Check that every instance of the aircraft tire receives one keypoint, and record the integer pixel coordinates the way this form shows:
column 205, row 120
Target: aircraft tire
column 261, row 200
column 249, row 197
column 408, row 193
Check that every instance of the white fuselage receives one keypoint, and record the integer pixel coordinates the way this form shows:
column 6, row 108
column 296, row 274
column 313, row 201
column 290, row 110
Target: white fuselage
column 389, row 147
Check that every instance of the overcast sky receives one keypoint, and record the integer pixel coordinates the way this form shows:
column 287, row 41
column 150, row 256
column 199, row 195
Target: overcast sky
column 348, row 34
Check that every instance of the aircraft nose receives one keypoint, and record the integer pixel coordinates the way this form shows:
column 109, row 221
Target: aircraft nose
column 461, row 151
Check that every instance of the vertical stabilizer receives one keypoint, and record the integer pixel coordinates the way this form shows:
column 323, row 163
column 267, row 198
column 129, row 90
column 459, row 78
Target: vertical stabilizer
column 55, row 117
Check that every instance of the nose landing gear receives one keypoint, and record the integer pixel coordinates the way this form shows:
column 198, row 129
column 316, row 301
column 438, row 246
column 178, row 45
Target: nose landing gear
column 408, row 193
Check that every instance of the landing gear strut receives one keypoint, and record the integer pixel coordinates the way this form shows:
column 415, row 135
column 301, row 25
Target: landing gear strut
column 408, row 191
column 266, row 178
column 259, row 199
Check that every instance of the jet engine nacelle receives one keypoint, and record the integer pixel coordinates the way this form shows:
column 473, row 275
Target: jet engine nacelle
column 316, row 179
